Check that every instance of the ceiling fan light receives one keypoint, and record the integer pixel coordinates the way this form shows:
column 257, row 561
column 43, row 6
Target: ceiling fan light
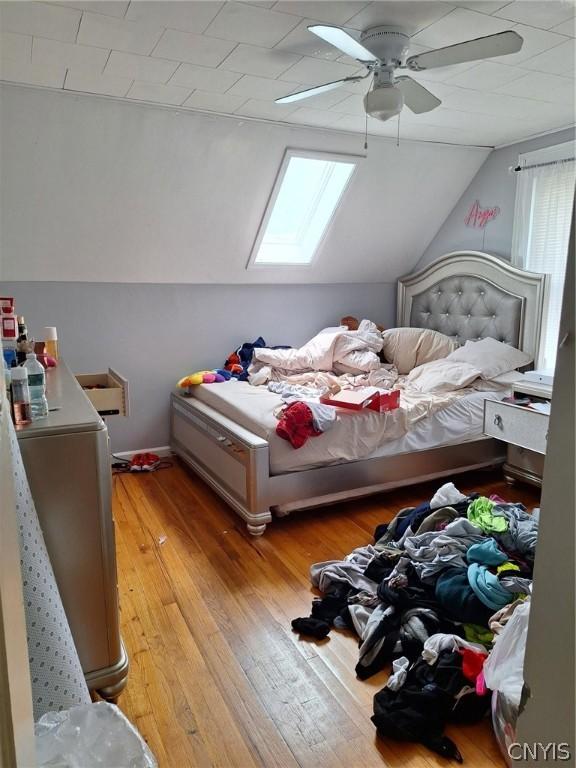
column 384, row 102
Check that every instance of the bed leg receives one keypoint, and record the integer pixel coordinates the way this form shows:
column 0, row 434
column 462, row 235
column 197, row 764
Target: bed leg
column 255, row 530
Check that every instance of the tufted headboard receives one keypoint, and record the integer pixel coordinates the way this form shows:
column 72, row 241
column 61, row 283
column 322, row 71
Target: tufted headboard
column 469, row 295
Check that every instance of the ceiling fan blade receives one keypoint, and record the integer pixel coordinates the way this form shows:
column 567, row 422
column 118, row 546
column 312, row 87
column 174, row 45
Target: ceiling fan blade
column 472, row 50
column 318, row 89
column 416, row 97
column 340, row 39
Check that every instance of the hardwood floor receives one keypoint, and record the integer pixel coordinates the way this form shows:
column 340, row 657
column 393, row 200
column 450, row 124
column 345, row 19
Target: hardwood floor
column 217, row 677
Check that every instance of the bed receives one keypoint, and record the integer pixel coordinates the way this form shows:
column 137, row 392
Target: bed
column 225, row 432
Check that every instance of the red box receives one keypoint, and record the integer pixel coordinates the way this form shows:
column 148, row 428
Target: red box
column 373, row 400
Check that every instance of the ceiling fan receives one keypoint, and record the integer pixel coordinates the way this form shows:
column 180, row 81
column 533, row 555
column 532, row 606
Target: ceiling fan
column 382, row 50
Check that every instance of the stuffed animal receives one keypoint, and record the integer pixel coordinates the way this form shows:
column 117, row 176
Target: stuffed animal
column 205, row 377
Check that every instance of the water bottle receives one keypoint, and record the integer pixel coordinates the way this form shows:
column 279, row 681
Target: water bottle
column 21, row 409
column 37, row 386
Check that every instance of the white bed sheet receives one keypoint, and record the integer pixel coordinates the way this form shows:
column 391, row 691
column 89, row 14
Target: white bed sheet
column 253, row 408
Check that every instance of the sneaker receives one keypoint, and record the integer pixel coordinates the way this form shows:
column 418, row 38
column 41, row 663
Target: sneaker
column 136, row 464
column 150, row 461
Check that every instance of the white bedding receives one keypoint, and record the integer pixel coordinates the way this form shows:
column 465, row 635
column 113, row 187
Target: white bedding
column 355, row 435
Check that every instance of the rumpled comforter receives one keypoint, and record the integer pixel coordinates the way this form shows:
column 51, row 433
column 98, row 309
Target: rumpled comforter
column 339, row 352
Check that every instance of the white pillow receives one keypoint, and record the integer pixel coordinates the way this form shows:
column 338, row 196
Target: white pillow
column 406, row 348
column 442, row 376
column 491, row 357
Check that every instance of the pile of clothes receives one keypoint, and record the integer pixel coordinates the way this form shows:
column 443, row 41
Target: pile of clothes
column 439, row 582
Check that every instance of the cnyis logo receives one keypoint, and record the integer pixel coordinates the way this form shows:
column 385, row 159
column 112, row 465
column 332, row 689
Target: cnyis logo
column 551, row 752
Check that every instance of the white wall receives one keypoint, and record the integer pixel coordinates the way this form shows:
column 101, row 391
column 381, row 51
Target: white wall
column 155, row 334
column 492, row 186
column 98, row 190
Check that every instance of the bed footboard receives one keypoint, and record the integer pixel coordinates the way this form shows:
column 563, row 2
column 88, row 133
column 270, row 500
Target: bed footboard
column 235, row 463
column 232, row 460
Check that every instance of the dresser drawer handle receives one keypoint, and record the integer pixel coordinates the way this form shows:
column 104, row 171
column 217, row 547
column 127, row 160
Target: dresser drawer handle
column 498, row 421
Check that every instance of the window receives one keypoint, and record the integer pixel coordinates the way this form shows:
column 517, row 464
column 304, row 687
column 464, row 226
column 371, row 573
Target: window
column 307, row 192
column 544, row 205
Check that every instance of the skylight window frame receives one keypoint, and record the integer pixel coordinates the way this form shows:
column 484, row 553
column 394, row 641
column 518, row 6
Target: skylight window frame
column 278, row 182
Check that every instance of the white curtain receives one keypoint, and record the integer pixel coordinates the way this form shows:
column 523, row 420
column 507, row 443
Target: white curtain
column 544, row 207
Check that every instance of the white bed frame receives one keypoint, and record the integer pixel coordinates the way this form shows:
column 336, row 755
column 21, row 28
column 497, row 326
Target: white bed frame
column 235, row 462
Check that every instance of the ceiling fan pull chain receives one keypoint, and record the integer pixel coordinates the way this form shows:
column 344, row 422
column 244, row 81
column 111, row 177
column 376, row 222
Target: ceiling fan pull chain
column 398, row 133
column 366, row 132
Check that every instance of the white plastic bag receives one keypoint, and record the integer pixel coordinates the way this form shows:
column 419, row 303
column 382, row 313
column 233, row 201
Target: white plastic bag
column 503, row 670
column 90, row 736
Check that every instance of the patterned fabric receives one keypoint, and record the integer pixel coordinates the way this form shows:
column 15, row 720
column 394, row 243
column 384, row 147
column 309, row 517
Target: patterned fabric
column 57, row 678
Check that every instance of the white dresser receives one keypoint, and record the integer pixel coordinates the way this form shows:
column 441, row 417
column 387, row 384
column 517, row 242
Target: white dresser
column 524, row 429
column 67, row 462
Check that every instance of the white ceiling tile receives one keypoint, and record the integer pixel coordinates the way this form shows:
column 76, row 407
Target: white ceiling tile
column 542, row 86
column 115, row 8
column 50, row 53
column 316, row 72
column 260, row 3
column 485, row 76
column 215, row 102
column 355, row 123
column 456, row 119
column 303, row 42
column 557, row 61
column 566, row 28
column 15, row 47
column 195, row 49
column 31, row 18
column 266, row 110
column 538, row 14
column 352, row 105
column 327, row 11
column 205, row 78
column 106, row 85
column 119, row 34
column 248, row 24
column 185, row 15
column 262, row 88
column 482, row 6
column 535, row 41
column 458, row 26
column 144, row 68
column 317, row 117
column 496, row 105
column 250, row 60
column 162, row 94
column 412, row 16
column 32, row 74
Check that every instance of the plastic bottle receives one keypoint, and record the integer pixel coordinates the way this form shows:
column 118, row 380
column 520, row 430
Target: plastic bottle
column 7, row 380
column 51, row 341
column 37, row 386
column 20, row 396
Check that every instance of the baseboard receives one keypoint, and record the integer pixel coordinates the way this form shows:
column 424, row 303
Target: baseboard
column 162, row 451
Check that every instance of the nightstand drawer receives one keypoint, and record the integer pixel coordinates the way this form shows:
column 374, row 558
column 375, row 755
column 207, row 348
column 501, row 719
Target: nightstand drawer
column 515, row 424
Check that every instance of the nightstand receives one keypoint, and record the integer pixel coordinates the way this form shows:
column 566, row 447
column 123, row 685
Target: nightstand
column 524, row 428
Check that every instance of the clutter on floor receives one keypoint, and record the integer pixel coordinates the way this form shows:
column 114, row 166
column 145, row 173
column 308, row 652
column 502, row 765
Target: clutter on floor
column 140, row 462
column 443, row 595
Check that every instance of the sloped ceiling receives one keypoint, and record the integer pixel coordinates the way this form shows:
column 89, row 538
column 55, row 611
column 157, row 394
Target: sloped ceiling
column 237, row 57
column 99, row 190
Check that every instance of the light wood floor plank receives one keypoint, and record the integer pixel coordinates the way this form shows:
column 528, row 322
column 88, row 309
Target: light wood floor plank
column 217, row 676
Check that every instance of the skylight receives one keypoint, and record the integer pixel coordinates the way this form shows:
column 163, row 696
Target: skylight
column 305, row 197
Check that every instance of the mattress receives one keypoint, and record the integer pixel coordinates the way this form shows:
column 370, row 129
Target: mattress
column 355, row 436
